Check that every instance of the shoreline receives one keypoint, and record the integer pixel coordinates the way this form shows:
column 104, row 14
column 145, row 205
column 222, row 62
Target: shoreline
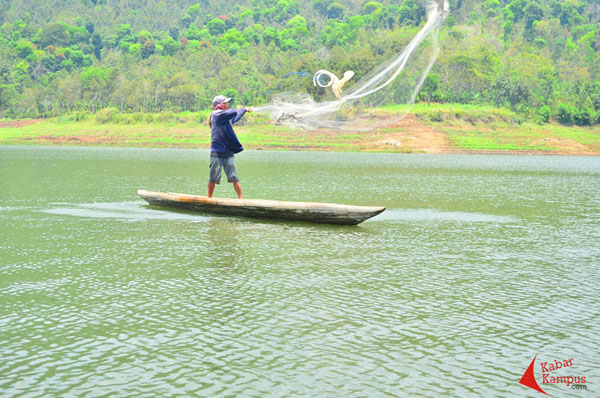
column 443, row 129
column 83, row 144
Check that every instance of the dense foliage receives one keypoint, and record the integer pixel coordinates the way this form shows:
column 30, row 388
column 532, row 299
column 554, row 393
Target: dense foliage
column 540, row 58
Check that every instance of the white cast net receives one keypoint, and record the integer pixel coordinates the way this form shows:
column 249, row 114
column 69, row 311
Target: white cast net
column 396, row 81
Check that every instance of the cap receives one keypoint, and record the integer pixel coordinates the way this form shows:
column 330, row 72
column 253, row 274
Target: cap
column 220, row 99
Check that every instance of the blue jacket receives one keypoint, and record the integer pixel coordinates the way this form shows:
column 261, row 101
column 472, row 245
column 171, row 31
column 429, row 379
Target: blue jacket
column 224, row 142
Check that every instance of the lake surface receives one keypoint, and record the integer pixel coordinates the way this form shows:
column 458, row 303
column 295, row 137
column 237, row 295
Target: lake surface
column 479, row 264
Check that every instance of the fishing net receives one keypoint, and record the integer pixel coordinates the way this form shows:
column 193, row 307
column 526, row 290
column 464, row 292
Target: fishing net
column 396, row 81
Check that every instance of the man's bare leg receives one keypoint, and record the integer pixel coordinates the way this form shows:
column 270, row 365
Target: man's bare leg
column 238, row 189
column 211, row 189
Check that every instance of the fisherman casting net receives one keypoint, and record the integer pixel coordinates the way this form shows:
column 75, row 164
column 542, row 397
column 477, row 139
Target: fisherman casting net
column 396, row 81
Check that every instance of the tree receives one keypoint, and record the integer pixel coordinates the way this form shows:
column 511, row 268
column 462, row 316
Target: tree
column 516, row 8
column 431, row 87
column 469, row 72
column 143, row 36
column 124, row 33
column 135, row 49
column 77, row 57
column 321, row 6
column 194, row 11
column 288, row 44
column 335, row 11
column 390, row 15
column 89, row 26
column 568, row 15
column 25, row 49
column 169, row 46
column 372, row 7
column 533, row 12
column 285, row 8
column 78, row 34
column 148, row 48
column 508, row 24
column 338, row 34
column 595, row 93
column 181, row 92
column 246, row 17
column 96, row 84
column 298, row 26
column 20, row 74
column 216, row 26
column 50, row 63
column 8, row 99
column 251, row 34
column 174, row 32
column 193, row 33
column 565, row 113
column 56, row 34
column 186, row 21
column 232, row 40
column 491, row 8
column 97, row 43
column 410, row 13
column 510, row 91
column 271, row 35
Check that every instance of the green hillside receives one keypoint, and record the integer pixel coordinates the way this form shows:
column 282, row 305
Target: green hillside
column 537, row 58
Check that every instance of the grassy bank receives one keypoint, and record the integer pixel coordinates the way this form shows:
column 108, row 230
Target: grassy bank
column 426, row 129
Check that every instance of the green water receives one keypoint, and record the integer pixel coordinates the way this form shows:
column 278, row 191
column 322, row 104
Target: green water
column 479, row 263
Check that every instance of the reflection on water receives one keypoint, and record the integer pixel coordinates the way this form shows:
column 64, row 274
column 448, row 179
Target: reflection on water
column 479, row 263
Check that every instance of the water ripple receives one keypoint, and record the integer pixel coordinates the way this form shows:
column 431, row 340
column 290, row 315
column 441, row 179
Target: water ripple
column 438, row 215
column 129, row 211
column 451, row 292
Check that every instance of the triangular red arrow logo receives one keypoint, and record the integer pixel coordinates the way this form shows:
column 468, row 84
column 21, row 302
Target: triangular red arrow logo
column 528, row 378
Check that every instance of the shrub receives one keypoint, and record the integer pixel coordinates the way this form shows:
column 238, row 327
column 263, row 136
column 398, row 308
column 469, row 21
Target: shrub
column 565, row 113
column 138, row 117
column 436, row 116
column 72, row 117
column 80, row 116
column 124, row 118
column 544, row 114
column 165, row 117
column 105, row 115
column 583, row 117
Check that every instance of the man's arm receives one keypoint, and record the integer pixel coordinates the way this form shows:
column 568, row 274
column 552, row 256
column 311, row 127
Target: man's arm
column 232, row 115
column 240, row 113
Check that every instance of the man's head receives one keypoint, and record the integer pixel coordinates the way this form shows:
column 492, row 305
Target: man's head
column 220, row 99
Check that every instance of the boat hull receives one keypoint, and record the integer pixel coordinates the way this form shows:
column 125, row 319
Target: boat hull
column 324, row 213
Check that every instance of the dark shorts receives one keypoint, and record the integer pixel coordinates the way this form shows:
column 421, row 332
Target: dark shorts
column 217, row 163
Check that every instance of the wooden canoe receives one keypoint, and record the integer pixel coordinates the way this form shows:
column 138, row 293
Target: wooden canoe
column 327, row 213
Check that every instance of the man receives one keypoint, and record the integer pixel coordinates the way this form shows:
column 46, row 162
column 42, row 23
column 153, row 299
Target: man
column 224, row 143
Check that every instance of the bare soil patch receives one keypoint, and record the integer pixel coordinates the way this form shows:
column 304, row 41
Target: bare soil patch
column 19, row 123
column 411, row 135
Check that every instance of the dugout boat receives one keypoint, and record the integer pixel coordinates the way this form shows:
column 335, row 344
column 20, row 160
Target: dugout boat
column 324, row 213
